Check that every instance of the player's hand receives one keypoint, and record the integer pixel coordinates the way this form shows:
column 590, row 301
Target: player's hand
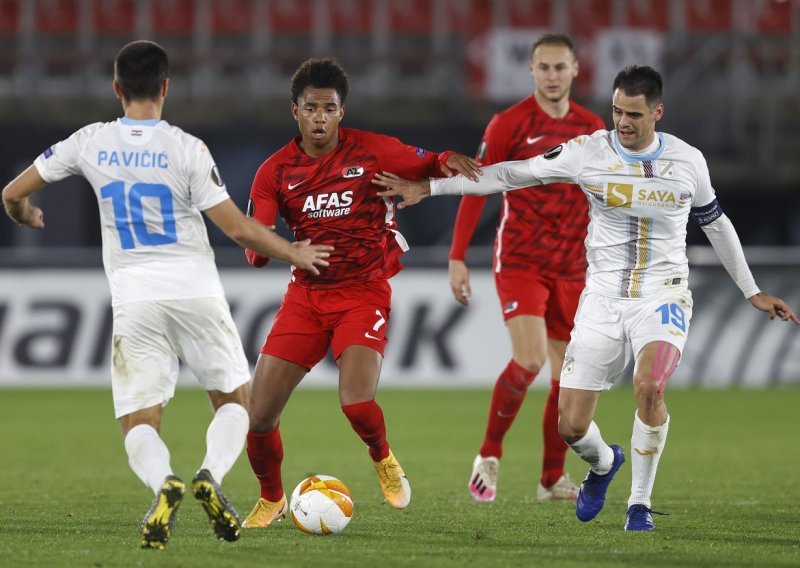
column 411, row 192
column 308, row 257
column 774, row 306
column 33, row 217
column 470, row 168
column 459, row 281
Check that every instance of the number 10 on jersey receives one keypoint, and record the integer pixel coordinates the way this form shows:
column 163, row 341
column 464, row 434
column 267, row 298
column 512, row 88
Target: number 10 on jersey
column 133, row 204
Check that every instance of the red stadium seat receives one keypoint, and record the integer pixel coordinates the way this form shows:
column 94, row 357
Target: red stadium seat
column 648, row 14
column 530, row 13
column 114, row 18
column 9, row 17
column 709, row 15
column 56, row 17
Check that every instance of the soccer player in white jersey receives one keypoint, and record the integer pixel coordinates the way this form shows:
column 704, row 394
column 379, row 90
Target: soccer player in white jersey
column 642, row 186
column 152, row 181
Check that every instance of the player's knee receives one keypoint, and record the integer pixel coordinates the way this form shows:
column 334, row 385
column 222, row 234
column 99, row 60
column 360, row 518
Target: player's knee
column 648, row 395
column 570, row 429
column 654, row 379
column 531, row 363
column 517, row 378
column 240, row 396
column 261, row 421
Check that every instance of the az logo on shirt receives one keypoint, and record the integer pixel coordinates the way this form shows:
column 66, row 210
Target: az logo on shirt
column 619, row 195
column 352, row 172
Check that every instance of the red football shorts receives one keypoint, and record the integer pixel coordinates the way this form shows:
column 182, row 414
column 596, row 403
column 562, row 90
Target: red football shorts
column 530, row 294
column 310, row 321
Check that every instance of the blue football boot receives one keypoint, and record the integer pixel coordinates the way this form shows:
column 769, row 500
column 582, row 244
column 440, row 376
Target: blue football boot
column 592, row 494
column 639, row 518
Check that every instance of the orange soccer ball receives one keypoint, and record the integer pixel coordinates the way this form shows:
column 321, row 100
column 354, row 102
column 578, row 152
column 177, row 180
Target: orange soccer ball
column 321, row 504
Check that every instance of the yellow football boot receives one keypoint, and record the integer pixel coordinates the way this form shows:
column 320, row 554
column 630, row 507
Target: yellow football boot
column 394, row 483
column 160, row 519
column 223, row 517
column 265, row 512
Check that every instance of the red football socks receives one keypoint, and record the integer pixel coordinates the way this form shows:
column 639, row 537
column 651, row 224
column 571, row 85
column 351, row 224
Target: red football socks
column 265, row 451
column 555, row 449
column 366, row 418
column 509, row 392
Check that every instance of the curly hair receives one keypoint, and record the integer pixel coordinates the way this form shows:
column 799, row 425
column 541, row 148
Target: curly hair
column 320, row 74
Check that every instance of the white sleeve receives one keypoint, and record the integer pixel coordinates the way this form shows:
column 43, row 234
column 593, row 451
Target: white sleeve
column 63, row 159
column 704, row 193
column 206, row 185
column 496, row 178
column 562, row 163
column 725, row 241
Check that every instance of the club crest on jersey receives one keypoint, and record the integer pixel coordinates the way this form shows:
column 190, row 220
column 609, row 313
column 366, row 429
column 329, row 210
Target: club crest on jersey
column 421, row 152
column 352, row 172
column 665, row 168
column 216, row 177
column 553, row 152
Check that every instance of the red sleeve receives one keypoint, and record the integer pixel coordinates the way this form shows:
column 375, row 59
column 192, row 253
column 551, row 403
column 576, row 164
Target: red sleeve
column 494, row 145
column 404, row 160
column 492, row 150
column 469, row 213
column 263, row 206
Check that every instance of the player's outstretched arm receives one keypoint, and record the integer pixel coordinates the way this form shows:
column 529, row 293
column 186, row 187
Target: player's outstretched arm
column 410, row 192
column 774, row 306
column 16, row 198
column 497, row 178
column 726, row 244
column 456, row 163
column 252, row 235
column 459, row 281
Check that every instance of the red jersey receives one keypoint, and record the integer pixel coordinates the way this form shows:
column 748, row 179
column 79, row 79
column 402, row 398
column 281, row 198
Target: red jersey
column 332, row 201
column 541, row 228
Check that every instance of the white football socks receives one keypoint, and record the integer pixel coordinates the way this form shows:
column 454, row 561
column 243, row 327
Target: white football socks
column 148, row 456
column 647, row 445
column 225, row 439
column 593, row 450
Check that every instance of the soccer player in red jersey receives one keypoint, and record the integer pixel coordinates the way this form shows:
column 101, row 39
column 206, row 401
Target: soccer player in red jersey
column 539, row 261
column 320, row 183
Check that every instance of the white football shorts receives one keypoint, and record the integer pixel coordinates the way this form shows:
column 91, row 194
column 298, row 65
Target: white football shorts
column 609, row 330
column 150, row 336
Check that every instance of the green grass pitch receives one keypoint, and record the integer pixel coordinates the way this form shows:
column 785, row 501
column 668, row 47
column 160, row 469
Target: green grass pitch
column 728, row 479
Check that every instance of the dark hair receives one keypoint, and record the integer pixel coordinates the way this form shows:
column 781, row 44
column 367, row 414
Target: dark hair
column 320, row 74
column 140, row 68
column 640, row 80
column 562, row 40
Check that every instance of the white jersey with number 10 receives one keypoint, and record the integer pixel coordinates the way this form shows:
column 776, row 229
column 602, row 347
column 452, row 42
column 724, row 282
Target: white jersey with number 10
column 152, row 180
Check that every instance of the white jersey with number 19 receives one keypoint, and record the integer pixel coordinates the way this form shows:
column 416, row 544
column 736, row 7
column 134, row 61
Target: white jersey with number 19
column 152, row 180
column 639, row 205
